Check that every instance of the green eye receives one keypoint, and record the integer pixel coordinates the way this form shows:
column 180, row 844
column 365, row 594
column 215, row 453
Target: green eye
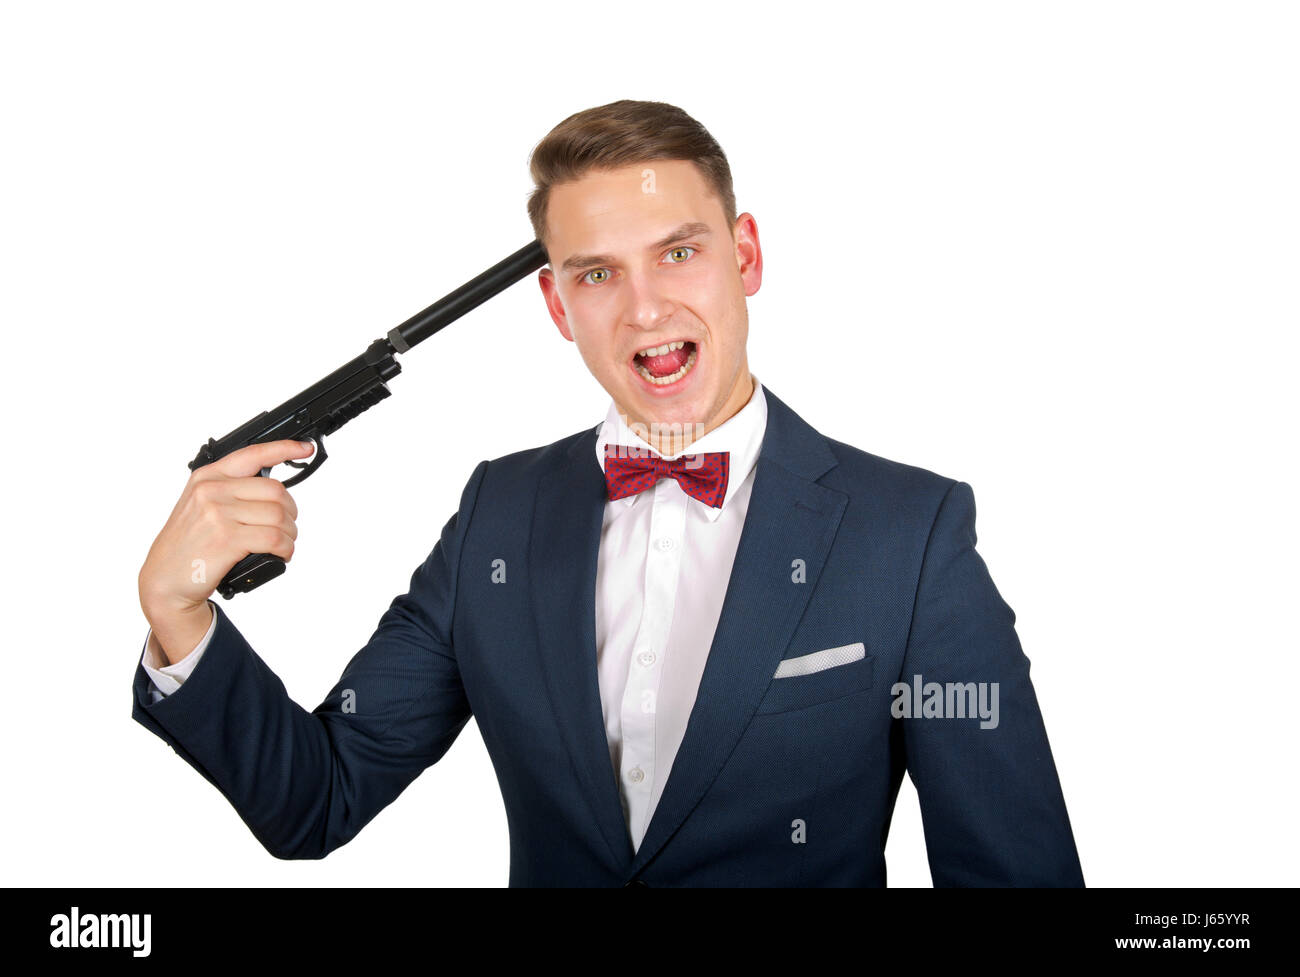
column 603, row 272
column 677, row 251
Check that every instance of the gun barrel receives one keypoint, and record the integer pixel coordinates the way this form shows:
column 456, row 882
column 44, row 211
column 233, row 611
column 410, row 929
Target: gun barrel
column 472, row 294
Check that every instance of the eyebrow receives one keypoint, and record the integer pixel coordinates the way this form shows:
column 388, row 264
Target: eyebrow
column 689, row 229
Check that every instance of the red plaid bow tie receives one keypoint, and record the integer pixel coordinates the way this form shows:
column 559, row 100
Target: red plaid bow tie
column 629, row 470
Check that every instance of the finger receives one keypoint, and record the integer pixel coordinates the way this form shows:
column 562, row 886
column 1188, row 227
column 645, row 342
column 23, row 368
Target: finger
column 257, row 488
column 250, row 460
column 261, row 514
column 265, row 539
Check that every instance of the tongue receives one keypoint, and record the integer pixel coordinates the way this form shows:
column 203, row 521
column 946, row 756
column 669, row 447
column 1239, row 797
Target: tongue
column 666, row 365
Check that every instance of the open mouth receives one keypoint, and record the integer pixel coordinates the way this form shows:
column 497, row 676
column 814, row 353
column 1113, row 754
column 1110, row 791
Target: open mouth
column 666, row 364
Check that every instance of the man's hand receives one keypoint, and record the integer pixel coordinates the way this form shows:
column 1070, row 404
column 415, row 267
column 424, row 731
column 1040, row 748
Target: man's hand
column 226, row 511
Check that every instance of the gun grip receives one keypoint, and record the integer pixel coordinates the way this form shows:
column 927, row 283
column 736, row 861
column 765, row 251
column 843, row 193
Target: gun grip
column 249, row 573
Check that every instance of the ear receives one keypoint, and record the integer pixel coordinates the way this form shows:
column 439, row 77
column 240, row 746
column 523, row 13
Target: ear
column 749, row 253
column 551, row 292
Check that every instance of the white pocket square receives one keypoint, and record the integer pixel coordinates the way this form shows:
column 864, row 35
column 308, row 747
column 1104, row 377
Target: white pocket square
column 820, row 660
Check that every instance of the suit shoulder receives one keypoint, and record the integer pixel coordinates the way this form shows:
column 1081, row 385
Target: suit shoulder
column 522, row 469
column 867, row 478
column 861, row 472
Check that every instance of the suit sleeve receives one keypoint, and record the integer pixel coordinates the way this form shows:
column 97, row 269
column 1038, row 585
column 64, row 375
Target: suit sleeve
column 991, row 801
column 307, row 782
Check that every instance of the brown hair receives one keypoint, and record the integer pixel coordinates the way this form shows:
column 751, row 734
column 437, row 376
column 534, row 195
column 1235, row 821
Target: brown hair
column 620, row 134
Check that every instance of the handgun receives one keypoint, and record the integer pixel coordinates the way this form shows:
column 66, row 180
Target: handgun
column 358, row 385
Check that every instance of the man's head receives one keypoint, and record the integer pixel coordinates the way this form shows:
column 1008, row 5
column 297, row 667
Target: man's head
column 635, row 208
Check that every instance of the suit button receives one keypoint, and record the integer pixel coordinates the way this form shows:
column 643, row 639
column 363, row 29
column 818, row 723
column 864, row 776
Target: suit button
column 640, row 883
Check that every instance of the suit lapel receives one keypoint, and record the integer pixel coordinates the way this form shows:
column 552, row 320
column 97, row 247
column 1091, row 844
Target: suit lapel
column 790, row 518
column 563, row 547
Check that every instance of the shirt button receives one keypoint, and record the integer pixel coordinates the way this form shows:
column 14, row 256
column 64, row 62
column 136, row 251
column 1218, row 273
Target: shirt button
column 646, row 658
column 636, row 775
column 664, row 543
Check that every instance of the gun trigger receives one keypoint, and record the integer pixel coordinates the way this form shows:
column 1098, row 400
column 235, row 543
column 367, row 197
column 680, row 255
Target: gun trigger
column 316, row 462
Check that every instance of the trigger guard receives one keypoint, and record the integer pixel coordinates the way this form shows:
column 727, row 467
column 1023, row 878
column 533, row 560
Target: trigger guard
column 311, row 466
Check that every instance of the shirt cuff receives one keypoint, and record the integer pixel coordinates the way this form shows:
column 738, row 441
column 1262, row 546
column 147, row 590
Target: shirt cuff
column 167, row 679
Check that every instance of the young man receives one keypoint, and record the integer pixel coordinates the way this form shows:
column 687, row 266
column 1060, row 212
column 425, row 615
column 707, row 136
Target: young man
column 686, row 673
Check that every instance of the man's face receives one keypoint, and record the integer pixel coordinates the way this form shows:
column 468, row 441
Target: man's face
column 643, row 258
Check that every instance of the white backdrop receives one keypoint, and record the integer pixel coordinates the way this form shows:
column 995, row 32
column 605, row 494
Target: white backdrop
column 1047, row 248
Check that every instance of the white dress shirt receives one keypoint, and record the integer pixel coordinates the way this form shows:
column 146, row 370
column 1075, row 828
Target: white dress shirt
column 664, row 564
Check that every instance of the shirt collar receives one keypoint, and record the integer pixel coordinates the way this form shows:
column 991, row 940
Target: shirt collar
column 741, row 434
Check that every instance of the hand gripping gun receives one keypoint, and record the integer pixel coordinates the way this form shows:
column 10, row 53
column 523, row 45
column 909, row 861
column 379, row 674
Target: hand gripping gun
column 356, row 386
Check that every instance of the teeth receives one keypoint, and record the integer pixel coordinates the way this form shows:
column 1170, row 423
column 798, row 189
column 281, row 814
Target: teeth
column 672, row 377
column 661, row 350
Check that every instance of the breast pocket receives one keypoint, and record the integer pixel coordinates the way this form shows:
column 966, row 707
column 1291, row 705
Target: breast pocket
column 808, row 679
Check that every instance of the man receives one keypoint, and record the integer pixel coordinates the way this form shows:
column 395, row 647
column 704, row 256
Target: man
column 680, row 631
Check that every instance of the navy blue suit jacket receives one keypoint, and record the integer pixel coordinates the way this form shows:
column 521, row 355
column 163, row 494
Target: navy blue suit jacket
column 778, row 781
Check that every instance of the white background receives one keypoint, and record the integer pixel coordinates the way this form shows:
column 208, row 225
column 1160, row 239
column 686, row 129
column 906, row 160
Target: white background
column 1047, row 248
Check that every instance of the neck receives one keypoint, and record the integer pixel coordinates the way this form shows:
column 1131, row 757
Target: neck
column 673, row 439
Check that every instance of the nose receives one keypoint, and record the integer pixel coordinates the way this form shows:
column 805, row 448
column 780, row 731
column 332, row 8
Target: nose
column 647, row 305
